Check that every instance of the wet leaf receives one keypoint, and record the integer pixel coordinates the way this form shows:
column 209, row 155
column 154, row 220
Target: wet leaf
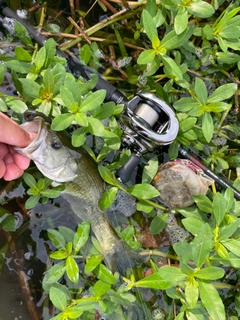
column 108, row 176
column 58, row 298
column 57, row 239
column 104, row 274
column 72, row 269
column 107, row 198
column 29, row 180
column 92, row 263
column 100, row 288
column 53, row 275
column 32, row 201
column 81, row 236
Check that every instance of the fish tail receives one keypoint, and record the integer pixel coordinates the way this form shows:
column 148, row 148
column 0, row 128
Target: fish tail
column 122, row 258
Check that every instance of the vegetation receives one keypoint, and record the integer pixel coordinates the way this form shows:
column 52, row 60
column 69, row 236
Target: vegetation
column 185, row 52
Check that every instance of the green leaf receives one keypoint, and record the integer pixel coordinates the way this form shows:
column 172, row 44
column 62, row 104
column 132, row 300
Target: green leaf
column 207, row 126
column 210, row 273
column 32, row 201
column 107, row 198
column 48, row 82
column 56, row 238
column 21, row 32
column 85, row 53
column 59, row 255
column 154, row 281
column 202, row 245
column 62, row 121
column 72, row 269
column 200, row 9
column 211, row 300
column 29, row 180
column 146, row 56
column 200, row 90
column 150, row 170
column 173, row 274
column 72, row 313
column 217, row 107
column 108, row 176
column 148, row 24
column 171, row 68
column 203, row 203
column 187, row 124
column 232, row 245
column 30, row 87
column 53, row 275
column 191, row 292
column 223, row 92
column 18, row 66
column 68, row 99
column 17, row 106
column 92, row 263
column 193, row 225
column 81, row 236
column 219, row 207
column 185, row 104
column 184, row 250
column 181, row 20
column 79, row 137
column 158, row 223
column 93, row 101
column 105, row 111
column 100, row 288
column 143, row 191
column 95, row 127
column 3, row 106
column 173, row 40
column 7, row 221
column 22, row 54
column 58, row 298
column 104, row 274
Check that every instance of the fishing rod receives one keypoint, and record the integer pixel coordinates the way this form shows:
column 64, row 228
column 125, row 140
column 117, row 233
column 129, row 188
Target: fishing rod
column 150, row 122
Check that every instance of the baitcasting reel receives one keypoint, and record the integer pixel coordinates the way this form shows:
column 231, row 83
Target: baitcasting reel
column 150, row 123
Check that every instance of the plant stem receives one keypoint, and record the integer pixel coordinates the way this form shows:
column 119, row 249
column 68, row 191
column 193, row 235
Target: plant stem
column 115, row 17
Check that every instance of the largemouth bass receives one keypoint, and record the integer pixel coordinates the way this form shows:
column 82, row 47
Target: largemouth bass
column 58, row 160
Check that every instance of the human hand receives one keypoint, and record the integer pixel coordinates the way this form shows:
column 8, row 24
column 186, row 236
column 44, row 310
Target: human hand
column 12, row 164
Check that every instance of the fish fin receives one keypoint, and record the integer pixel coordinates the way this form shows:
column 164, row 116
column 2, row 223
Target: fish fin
column 122, row 258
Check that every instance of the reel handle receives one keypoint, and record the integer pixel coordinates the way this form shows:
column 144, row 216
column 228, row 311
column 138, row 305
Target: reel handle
column 125, row 172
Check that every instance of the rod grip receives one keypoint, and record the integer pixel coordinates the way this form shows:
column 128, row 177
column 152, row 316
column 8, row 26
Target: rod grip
column 125, row 172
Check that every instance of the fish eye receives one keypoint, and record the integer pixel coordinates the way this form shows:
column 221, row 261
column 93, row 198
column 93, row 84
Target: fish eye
column 56, row 145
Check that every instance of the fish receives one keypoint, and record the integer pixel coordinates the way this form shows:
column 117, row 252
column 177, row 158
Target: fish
column 56, row 158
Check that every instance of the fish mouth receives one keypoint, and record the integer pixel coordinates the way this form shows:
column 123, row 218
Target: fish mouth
column 39, row 127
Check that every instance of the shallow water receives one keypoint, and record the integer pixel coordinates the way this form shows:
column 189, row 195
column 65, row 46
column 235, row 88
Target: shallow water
column 25, row 261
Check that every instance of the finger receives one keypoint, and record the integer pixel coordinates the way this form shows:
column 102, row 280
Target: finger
column 21, row 161
column 12, row 172
column 11, row 133
column 3, row 150
column 2, row 168
column 8, row 159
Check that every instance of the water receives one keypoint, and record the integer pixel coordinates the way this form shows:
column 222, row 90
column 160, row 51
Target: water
column 24, row 263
